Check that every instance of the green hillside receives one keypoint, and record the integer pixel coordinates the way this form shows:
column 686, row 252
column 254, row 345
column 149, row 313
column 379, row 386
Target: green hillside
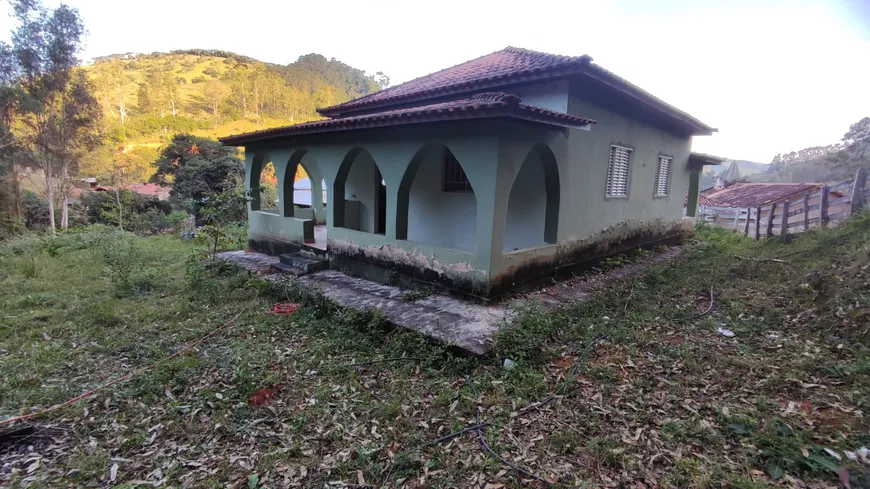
column 146, row 98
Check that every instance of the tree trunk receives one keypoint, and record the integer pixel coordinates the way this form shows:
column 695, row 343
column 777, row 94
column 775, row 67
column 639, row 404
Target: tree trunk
column 49, row 193
column 16, row 190
column 64, row 198
column 120, row 209
column 122, row 108
column 172, row 103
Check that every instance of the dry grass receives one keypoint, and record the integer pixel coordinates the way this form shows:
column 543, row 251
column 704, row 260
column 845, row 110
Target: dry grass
column 641, row 395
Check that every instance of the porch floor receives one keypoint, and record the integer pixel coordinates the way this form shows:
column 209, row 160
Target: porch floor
column 468, row 326
column 464, row 324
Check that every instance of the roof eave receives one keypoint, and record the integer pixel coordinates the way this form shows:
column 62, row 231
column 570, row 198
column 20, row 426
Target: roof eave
column 527, row 115
column 703, row 159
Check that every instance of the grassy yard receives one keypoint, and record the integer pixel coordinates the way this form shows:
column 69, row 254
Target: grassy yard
column 627, row 389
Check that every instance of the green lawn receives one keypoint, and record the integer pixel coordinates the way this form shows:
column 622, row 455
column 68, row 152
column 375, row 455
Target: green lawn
column 635, row 392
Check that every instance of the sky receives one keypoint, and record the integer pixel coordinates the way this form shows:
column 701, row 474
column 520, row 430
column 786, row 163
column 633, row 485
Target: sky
column 772, row 75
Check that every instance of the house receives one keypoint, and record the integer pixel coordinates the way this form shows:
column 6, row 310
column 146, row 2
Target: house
column 505, row 170
column 145, row 189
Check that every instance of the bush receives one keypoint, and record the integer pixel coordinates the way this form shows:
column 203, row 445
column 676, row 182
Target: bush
column 35, row 210
column 141, row 214
column 126, row 265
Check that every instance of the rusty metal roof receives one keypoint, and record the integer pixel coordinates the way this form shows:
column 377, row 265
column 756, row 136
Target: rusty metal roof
column 756, row 194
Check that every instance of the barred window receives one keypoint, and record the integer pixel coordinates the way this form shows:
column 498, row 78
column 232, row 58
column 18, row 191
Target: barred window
column 663, row 174
column 453, row 177
column 617, row 171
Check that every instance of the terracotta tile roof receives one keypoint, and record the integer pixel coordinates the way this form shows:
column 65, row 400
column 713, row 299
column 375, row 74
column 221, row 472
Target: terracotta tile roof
column 147, row 189
column 479, row 106
column 756, row 194
column 499, row 69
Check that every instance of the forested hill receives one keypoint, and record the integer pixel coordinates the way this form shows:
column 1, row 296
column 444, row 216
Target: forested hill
column 207, row 89
column 146, row 98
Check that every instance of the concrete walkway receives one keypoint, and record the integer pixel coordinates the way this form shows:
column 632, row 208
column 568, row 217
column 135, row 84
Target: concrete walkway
column 464, row 324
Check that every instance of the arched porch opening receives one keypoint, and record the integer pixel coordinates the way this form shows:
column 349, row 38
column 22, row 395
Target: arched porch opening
column 298, row 190
column 359, row 196
column 263, row 185
column 436, row 202
column 533, row 205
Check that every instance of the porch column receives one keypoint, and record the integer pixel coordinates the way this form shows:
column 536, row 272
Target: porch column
column 253, row 161
column 692, row 198
column 491, row 193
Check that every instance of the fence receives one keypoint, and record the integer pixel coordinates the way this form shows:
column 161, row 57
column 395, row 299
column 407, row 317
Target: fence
column 821, row 208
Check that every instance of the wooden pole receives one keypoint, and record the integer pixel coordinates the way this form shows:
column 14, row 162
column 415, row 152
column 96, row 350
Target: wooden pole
column 784, row 224
column 858, row 190
column 757, row 223
column 769, row 232
column 746, row 225
column 806, row 212
column 823, row 207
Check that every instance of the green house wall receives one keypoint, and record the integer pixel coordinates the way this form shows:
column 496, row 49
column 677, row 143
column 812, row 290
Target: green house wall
column 538, row 208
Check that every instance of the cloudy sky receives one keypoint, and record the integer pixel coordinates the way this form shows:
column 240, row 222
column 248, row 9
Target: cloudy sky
column 772, row 75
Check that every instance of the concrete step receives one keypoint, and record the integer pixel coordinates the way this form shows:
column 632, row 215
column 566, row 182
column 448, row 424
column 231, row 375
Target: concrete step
column 289, row 269
column 305, row 263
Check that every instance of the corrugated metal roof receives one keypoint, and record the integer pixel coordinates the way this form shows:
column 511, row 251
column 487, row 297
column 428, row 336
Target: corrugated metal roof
column 756, row 194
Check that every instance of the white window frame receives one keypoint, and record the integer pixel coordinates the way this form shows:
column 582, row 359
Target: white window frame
column 659, row 183
column 610, row 184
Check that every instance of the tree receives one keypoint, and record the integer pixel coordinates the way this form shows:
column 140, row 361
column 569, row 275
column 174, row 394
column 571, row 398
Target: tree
column 194, row 167
column 74, row 132
column 10, row 190
column 215, row 92
column 382, row 79
column 44, row 45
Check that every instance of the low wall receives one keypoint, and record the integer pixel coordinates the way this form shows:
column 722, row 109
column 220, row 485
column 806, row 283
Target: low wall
column 524, row 269
column 377, row 258
column 270, row 233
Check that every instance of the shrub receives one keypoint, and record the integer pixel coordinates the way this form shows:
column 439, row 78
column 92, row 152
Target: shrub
column 126, row 265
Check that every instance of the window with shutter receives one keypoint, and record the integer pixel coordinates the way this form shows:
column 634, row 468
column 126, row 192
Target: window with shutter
column 617, row 171
column 663, row 174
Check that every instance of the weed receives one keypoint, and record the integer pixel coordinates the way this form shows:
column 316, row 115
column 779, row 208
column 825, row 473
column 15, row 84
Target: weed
column 28, row 267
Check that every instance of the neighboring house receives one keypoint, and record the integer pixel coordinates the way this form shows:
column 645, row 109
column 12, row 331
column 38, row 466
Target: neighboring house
column 147, row 189
column 505, row 170
column 733, row 202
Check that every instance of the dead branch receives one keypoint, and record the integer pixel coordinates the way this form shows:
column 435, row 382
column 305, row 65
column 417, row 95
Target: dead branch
column 453, row 435
column 489, row 449
column 775, row 260
column 710, row 308
column 537, row 405
column 373, row 362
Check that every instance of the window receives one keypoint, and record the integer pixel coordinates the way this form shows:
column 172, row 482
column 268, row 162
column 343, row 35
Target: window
column 453, row 178
column 663, row 174
column 617, row 171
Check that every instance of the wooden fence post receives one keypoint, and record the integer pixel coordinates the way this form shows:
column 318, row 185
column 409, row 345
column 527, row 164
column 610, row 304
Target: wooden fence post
column 769, row 232
column 746, row 225
column 737, row 219
column 806, row 212
column 858, row 189
column 784, row 225
column 758, row 223
column 823, row 207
